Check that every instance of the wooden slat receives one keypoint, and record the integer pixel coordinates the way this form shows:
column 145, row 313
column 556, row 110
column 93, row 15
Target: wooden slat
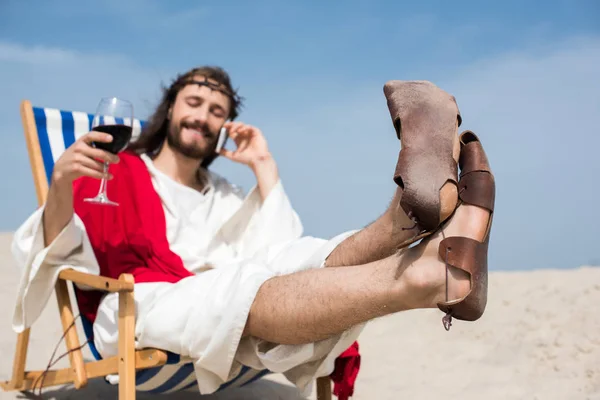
column 20, row 358
column 126, row 342
column 95, row 281
column 147, row 358
column 52, row 378
column 71, row 338
column 35, row 153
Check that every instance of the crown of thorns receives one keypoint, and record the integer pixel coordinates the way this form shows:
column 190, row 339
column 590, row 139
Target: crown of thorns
column 214, row 86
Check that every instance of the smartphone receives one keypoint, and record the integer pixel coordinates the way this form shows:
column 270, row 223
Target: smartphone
column 221, row 140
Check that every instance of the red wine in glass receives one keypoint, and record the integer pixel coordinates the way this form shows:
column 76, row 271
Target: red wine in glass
column 121, row 135
column 108, row 112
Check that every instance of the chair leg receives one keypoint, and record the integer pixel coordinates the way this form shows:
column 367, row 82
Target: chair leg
column 126, row 342
column 324, row 388
column 18, row 374
column 71, row 337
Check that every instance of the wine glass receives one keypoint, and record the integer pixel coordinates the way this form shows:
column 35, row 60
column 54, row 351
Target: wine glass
column 115, row 117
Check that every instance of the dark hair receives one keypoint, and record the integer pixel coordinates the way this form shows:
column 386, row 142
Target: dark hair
column 155, row 131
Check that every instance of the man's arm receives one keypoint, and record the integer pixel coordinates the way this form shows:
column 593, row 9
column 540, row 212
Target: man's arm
column 267, row 175
column 267, row 210
column 58, row 211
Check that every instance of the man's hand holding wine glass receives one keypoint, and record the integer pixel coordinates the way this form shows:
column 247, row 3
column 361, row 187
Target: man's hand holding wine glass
column 82, row 159
column 89, row 156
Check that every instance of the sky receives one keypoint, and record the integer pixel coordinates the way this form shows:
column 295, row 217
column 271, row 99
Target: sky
column 526, row 76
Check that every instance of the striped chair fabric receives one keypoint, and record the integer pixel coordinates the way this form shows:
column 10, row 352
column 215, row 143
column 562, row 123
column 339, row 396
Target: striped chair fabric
column 57, row 130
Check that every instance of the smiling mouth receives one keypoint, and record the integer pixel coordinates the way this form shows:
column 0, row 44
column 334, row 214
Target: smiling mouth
column 200, row 132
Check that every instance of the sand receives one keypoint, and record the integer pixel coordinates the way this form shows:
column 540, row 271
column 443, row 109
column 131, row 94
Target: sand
column 539, row 339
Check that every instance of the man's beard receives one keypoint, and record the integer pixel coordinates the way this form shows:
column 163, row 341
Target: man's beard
column 190, row 150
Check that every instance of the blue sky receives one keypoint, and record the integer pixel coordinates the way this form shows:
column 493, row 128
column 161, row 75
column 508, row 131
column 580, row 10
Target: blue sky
column 526, row 77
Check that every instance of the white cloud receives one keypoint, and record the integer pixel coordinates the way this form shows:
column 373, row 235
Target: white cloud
column 63, row 78
column 57, row 78
column 186, row 18
column 10, row 52
column 145, row 15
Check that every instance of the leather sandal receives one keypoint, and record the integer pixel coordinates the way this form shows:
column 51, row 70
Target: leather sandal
column 477, row 187
column 426, row 120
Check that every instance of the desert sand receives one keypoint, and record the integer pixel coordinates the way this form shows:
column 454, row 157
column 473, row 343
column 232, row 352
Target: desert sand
column 539, row 339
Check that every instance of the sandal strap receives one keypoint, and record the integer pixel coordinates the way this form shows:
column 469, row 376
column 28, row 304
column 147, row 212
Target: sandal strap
column 473, row 158
column 477, row 184
column 471, row 256
column 478, row 188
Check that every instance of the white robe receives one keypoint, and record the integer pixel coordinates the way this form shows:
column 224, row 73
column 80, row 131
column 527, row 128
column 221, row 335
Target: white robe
column 232, row 244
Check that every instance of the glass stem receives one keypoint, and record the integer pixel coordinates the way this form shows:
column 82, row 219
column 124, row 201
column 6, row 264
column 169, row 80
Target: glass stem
column 102, row 190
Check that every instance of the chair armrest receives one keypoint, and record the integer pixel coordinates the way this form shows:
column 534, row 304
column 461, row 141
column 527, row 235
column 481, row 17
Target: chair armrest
column 96, row 281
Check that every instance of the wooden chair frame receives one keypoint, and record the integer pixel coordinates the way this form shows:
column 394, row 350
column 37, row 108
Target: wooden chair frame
column 129, row 360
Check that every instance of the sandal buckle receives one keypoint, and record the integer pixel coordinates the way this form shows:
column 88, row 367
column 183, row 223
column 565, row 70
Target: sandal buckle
column 447, row 320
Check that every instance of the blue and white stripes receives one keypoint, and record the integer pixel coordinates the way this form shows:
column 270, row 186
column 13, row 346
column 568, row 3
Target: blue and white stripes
column 172, row 378
column 58, row 129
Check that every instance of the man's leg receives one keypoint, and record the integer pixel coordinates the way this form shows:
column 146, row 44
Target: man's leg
column 376, row 241
column 313, row 305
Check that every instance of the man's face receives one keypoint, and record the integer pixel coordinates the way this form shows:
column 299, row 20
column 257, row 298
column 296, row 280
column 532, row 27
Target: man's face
column 196, row 118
